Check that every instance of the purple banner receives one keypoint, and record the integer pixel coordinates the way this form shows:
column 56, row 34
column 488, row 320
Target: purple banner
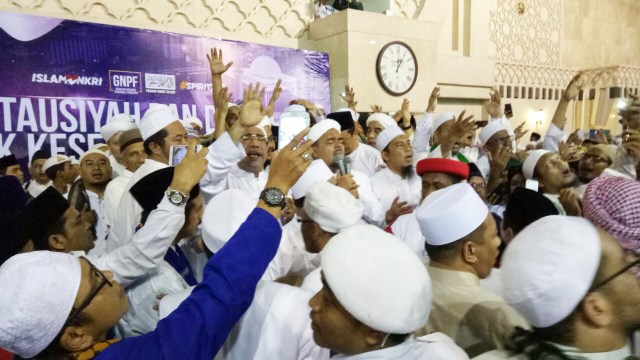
column 63, row 79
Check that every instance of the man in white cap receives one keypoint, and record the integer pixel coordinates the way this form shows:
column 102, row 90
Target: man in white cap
column 58, row 169
column 375, row 294
column 83, row 303
column 110, row 132
column 377, row 122
column 450, row 135
column 277, row 311
column 160, row 129
column 39, row 180
column 573, row 285
column 362, row 157
column 329, row 149
column 292, row 261
column 88, row 194
column 196, row 124
column 554, row 177
column 397, row 186
column 462, row 243
column 497, row 144
column 132, row 156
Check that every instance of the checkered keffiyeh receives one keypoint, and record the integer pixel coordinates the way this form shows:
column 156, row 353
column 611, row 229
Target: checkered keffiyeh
column 613, row 203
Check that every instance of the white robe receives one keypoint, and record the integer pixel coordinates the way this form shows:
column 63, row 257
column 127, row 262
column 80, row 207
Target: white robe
column 374, row 211
column 223, row 154
column 113, row 194
column 619, row 354
column 387, row 186
column 102, row 230
column 436, row 346
column 129, row 211
column 407, row 229
column 366, row 159
column 116, row 168
column 241, row 180
column 134, row 259
column 36, row 188
column 292, row 256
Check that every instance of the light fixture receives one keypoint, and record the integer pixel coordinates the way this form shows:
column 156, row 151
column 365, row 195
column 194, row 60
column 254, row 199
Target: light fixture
column 623, row 103
column 538, row 116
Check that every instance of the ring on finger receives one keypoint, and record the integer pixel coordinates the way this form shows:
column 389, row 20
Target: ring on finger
column 306, row 156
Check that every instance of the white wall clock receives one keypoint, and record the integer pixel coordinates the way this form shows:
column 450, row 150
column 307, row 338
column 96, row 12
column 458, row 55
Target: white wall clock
column 397, row 68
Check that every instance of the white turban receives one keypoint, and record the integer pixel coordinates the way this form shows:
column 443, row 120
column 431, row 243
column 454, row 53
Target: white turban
column 38, row 291
column 117, row 123
column 450, row 214
column 321, row 128
column 331, row 207
column 223, row 216
column 194, row 121
column 94, row 151
column 318, row 171
column 529, row 165
column 156, row 118
column 384, row 119
column 488, row 131
column 378, row 279
column 54, row 160
column 387, row 135
column 441, row 119
column 549, row 267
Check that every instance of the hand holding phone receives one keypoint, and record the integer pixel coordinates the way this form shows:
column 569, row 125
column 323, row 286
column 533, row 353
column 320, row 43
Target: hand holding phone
column 178, row 152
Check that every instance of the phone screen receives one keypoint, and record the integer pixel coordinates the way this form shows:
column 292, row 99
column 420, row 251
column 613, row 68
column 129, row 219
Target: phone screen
column 291, row 123
column 177, row 153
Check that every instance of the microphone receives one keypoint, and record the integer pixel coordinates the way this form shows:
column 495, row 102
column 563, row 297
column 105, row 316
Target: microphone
column 347, row 164
column 338, row 162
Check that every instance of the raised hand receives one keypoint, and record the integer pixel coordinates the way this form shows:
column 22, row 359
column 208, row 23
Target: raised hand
column 291, row 162
column 252, row 111
column 494, row 104
column 570, row 201
column 221, row 99
column 601, row 137
column 498, row 161
column 376, row 108
column 216, row 64
column 277, row 90
column 349, row 97
column 460, row 128
column 348, row 183
column 519, row 132
column 573, row 89
column 398, row 208
column 406, row 114
column 433, row 99
column 191, row 169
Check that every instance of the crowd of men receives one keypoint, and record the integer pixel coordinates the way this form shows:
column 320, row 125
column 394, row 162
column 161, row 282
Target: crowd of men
column 365, row 237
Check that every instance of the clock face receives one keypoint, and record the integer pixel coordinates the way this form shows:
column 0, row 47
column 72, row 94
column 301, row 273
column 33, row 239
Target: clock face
column 397, row 68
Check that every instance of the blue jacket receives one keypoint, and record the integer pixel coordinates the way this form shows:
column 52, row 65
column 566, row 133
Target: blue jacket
column 200, row 325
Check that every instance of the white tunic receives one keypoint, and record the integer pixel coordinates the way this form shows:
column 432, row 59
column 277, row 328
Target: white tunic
column 436, row 346
column 374, row 211
column 242, row 180
column 619, row 354
column 116, row 168
column 148, row 247
column 388, row 185
column 292, row 256
column 35, row 188
column 366, row 159
column 223, row 154
column 102, row 230
column 406, row 228
column 129, row 211
column 277, row 325
column 113, row 194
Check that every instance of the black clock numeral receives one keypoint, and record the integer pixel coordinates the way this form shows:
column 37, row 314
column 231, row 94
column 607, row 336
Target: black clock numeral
column 409, row 78
column 384, row 76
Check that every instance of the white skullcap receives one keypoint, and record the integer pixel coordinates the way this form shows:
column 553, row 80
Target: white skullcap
column 263, row 124
column 549, row 267
column 38, row 291
column 332, row 207
column 156, row 118
column 531, row 161
column 74, row 161
column 378, row 279
column 318, row 171
column 232, row 104
column 117, row 123
column 384, row 119
column 450, row 214
column 321, row 128
column 95, row 151
column 194, row 121
column 441, row 119
column 488, row 131
column 171, row 302
column 223, row 216
column 295, row 108
column 387, row 135
column 54, row 160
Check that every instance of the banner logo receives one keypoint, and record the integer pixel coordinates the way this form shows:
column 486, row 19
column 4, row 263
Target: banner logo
column 185, row 85
column 160, row 83
column 68, row 79
column 125, row 82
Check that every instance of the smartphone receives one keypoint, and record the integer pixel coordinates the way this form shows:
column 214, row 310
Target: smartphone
column 532, row 185
column 481, row 123
column 291, row 124
column 178, row 152
column 508, row 111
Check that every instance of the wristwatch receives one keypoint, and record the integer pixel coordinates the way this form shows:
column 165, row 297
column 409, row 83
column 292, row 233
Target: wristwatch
column 177, row 197
column 273, row 197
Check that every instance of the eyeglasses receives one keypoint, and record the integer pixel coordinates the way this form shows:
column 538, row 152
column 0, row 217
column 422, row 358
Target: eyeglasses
column 103, row 282
column 615, row 275
column 304, row 221
column 504, row 140
column 249, row 137
column 478, row 185
column 554, row 160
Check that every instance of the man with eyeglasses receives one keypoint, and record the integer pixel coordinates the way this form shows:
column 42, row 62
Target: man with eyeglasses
column 55, row 305
column 497, row 145
column 576, row 286
column 555, row 180
column 592, row 163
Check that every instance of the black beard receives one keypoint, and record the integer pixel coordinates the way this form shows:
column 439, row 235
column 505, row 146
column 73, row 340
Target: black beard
column 407, row 172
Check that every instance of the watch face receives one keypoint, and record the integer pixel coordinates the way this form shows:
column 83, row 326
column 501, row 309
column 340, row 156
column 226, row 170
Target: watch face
column 274, row 197
column 397, row 68
column 176, row 197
